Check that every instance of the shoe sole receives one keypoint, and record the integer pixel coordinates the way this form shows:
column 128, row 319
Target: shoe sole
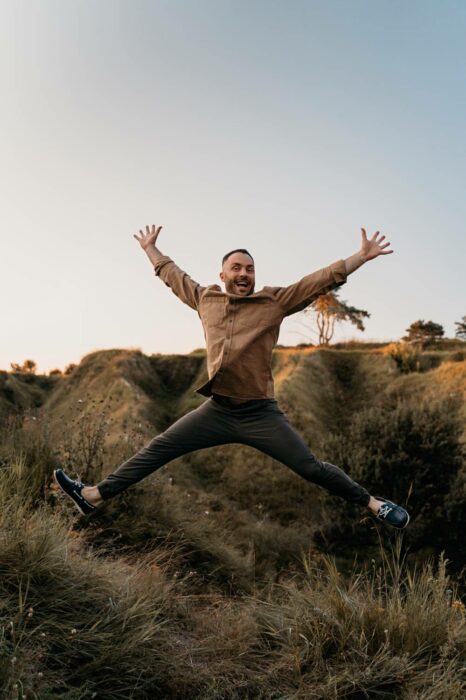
column 67, row 494
column 397, row 527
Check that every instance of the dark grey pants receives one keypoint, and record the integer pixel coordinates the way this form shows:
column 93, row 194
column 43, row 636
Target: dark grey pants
column 258, row 423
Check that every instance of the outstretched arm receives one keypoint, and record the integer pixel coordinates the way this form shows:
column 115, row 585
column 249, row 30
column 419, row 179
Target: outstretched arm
column 299, row 295
column 174, row 277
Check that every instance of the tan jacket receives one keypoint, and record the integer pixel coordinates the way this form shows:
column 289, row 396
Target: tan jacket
column 241, row 332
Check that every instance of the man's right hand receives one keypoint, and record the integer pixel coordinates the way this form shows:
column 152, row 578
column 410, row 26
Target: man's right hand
column 148, row 239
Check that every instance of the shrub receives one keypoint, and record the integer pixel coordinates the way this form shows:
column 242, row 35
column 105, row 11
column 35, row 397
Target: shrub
column 410, row 452
column 406, row 356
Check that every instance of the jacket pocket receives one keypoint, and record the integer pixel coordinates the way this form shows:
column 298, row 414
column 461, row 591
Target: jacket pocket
column 212, row 313
column 256, row 316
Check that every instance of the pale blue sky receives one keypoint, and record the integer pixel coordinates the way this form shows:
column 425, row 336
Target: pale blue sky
column 282, row 127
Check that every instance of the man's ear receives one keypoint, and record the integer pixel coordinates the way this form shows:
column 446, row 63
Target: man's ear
column 222, row 276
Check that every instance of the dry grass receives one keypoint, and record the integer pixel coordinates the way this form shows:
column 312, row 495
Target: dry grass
column 204, row 583
column 187, row 616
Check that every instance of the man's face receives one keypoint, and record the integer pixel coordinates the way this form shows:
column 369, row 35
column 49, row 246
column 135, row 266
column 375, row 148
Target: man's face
column 238, row 274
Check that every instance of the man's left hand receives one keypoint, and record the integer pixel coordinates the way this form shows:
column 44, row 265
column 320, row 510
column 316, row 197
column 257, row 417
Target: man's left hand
column 370, row 249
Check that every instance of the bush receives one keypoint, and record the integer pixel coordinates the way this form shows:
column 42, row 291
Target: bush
column 410, row 452
column 406, row 357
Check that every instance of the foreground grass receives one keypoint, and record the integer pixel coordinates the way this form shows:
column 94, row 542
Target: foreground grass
column 78, row 622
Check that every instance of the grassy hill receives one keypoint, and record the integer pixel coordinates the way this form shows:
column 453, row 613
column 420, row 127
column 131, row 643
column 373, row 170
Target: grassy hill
column 343, row 401
column 223, row 574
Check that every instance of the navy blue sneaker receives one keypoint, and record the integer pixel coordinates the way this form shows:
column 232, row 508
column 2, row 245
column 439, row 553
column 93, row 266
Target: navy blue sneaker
column 392, row 514
column 73, row 489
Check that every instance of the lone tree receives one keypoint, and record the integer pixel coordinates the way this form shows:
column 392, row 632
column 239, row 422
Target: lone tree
column 461, row 330
column 423, row 332
column 28, row 367
column 329, row 309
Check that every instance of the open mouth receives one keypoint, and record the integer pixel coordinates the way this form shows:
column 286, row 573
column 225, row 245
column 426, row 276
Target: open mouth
column 242, row 285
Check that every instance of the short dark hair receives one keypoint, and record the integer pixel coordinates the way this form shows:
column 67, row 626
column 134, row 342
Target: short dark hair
column 237, row 250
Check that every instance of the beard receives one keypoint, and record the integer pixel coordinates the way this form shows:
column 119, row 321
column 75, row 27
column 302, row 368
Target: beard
column 232, row 287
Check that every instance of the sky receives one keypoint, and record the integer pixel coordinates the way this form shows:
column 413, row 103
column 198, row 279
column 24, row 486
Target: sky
column 282, row 127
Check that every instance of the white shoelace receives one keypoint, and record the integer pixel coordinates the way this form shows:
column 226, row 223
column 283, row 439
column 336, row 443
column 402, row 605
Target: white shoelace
column 384, row 510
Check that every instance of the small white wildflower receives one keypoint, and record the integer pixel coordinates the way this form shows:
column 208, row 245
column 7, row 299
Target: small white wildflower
column 42, row 634
column 40, row 674
column 207, row 512
column 73, row 631
column 14, row 660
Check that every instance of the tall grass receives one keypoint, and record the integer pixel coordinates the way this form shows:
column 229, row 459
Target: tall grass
column 70, row 620
column 81, row 620
column 373, row 634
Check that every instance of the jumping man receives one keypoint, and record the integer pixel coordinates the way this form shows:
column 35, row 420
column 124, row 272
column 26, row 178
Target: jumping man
column 241, row 328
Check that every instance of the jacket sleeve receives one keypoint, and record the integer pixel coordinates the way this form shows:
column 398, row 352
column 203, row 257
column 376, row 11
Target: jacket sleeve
column 297, row 296
column 179, row 281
